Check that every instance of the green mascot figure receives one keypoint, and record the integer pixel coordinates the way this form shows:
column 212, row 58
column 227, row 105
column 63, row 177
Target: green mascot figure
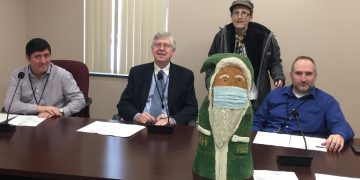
column 225, row 119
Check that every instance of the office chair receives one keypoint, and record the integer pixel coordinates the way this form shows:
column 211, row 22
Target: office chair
column 80, row 73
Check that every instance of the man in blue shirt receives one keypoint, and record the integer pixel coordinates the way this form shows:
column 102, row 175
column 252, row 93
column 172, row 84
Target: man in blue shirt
column 318, row 112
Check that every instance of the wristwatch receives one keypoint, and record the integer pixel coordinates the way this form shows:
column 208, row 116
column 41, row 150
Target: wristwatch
column 61, row 111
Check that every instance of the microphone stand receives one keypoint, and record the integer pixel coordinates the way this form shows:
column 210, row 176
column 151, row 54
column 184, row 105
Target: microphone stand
column 296, row 160
column 167, row 129
column 6, row 127
column 163, row 104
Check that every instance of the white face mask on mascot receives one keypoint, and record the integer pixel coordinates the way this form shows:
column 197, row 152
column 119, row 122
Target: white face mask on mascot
column 230, row 97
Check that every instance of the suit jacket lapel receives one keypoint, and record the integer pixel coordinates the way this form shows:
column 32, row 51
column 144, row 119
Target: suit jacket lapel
column 148, row 74
column 173, row 78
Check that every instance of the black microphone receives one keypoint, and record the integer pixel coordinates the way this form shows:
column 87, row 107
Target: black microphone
column 6, row 127
column 160, row 76
column 296, row 160
column 161, row 129
column 295, row 114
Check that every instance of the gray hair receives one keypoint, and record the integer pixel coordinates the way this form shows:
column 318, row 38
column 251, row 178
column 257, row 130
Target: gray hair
column 162, row 35
column 304, row 58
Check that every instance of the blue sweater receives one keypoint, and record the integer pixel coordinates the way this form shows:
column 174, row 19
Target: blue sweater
column 318, row 112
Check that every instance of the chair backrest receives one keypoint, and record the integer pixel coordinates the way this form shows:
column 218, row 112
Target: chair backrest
column 80, row 73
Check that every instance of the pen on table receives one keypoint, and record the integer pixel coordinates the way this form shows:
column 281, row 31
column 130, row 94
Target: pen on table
column 320, row 146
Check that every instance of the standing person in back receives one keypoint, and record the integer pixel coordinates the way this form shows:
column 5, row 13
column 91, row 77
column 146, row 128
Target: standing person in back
column 256, row 42
column 317, row 112
column 46, row 90
column 159, row 92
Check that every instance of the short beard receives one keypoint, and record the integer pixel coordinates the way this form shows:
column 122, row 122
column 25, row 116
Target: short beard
column 224, row 122
column 302, row 90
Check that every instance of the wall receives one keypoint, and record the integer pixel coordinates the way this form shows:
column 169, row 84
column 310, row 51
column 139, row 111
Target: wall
column 12, row 34
column 62, row 24
column 321, row 29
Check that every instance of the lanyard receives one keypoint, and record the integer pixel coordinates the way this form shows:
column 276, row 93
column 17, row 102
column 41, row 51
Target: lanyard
column 163, row 90
column 42, row 93
column 287, row 111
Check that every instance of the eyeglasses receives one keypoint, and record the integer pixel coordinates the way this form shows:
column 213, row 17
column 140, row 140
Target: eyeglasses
column 242, row 14
column 163, row 45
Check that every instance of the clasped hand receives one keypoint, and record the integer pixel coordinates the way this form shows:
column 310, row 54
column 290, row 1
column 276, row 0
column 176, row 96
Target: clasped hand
column 48, row 111
column 146, row 118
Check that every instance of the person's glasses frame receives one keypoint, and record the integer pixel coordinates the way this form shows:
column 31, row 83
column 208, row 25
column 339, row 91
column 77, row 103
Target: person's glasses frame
column 162, row 45
column 242, row 14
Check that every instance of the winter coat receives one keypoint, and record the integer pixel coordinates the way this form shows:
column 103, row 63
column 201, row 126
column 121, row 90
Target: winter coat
column 261, row 48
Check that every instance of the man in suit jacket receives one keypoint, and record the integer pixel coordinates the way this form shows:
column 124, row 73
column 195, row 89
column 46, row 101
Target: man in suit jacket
column 177, row 94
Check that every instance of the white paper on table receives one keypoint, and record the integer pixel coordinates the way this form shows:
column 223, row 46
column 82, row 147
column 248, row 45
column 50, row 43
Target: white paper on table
column 114, row 129
column 331, row 177
column 4, row 115
column 313, row 143
column 272, row 175
column 287, row 140
column 274, row 139
column 26, row 120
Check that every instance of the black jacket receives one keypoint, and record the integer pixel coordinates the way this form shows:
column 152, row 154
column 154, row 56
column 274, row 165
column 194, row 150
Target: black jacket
column 263, row 51
column 182, row 101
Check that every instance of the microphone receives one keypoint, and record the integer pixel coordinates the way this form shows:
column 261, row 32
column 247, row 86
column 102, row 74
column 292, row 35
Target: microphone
column 161, row 129
column 296, row 160
column 295, row 114
column 6, row 127
column 160, row 76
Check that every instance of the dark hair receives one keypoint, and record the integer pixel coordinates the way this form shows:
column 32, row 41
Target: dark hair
column 37, row 44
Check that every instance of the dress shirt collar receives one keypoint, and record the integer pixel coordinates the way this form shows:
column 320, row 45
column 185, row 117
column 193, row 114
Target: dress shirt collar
column 312, row 94
column 166, row 69
column 32, row 75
